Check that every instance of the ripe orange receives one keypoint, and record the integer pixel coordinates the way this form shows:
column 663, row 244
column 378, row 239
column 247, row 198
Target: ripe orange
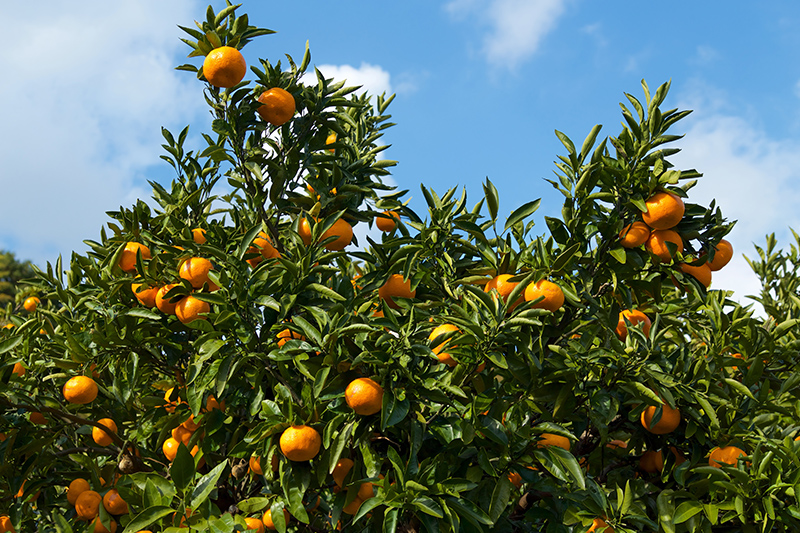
column 330, row 139
column 146, row 296
column 264, row 246
column 664, row 210
column 114, row 503
column 182, row 434
column 670, row 419
column 87, row 505
column 195, row 271
column 437, row 350
column 340, row 471
column 6, row 525
column 170, row 449
column 199, row 235
column 277, row 106
column 164, row 305
column 701, row 273
column 722, row 255
column 656, row 244
column 300, row 443
column 287, row 334
column 80, row 390
column 634, row 316
column 38, row 418
column 100, row 528
column 31, row 303
column 255, row 465
column 387, row 224
column 190, row 309
column 600, row 525
column 170, row 405
column 726, row 454
column 224, row 67
column 352, row 507
column 254, row 523
column 304, row 230
column 395, row 286
column 343, row 233
column 102, row 437
column 127, row 261
column 552, row 293
column 651, row 462
column 212, row 403
column 634, row 234
column 267, row 519
column 76, row 487
column 364, row 396
column 18, row 370
column 501, row 285
column 190, row 424
column 549, row 439
column 515, row 479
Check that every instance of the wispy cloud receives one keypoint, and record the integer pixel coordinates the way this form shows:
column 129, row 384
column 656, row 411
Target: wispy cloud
column 93, row 83
column 754, row 177
column 372, row 78
column 515, row 28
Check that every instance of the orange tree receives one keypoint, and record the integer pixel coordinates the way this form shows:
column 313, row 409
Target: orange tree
column 222, row 362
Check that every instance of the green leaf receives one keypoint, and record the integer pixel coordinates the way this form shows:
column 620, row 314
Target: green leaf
column 326, row 291
column 686, row 510
column 666, row 511
column 147, row 517
column 492, row 199
column 182, row 469
column 10, row 343
column 428, row 506
column 206, row 484
column 522, row 212
column 619, row 254
column 253, row 505
column 390, row 519
column 500, row 497
column 565, row 257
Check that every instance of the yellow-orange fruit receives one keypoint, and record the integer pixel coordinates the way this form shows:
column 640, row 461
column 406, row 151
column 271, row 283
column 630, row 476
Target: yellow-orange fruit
column 634, row 234
column 267, row 519
column 395, row 286
column 145, row 295
column 634, row 316
column 552, row 294
column 364, row 396
column 701, row 273
column 80, row 390
column 387, row 224
column 31, row 304
column 254, row 523
column 127, row 261
column 657, row 244
column 651, row 462
column 87, row 505
column 437, row 350
column 729, row 455
column 255, row 465
column 189, row 309
column 195, row 270
column 76, row 487
column 340, row 471
column 549, row 439
column 102, row 437
column 114, row 503
column 723, row 253
column 277, row 106
column 670, row 419
column 300, row 443
column 224, row 67
column 199, row 235
column 664, row 210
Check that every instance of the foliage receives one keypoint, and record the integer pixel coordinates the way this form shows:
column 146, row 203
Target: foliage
column 452, row 449
column 12, row 271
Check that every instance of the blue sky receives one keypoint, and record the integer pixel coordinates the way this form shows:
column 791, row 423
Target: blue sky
column 481, row 86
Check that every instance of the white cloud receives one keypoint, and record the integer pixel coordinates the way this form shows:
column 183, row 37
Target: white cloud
column 372, row 78
column 515, row 27
column 754, row 177
column 92, row 85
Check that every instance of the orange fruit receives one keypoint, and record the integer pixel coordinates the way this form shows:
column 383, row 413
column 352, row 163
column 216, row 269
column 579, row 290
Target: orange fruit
column 127, row 261
column 552, row 293
column 330, row 139
column 664, row 210
column 212, row 403
column 103, row 438
column 76, row 487
column 300, row 443
column 146, row 296
column 254, row 523
column 195, row 271
column 267, row 519
column 670, row 419
column 651, row 462
column 616, row 443
column 38, row 418
column 255, row 465
column 340, row 471
column 224, row 67
column 164, row 305
column 199, row 235
column 190, row 309
column 170, row 405
column 31, row 303
column 634, row 316
column 364, row 396
column 6, row 525
column 437, row 350
column 634, row 234
column 726, row 454
column 343, row 233
column 18, row 370
column 190, row 424
column 304, row 230
column 287, row 334
column 501, row 285
column 548, row 439
column 515, row 479
column 352, row 507
column 723, row 253
column 679, row 458
column 701, row 273
column 600, row 525
column 264, row 246
column 387, row 224
column 114, row 503
column 170, row 448
column 80, row 390
column 87, row 505
column 656, row 244
column 395, row 286
column 182, row 434
column 100, row 528
column 277, row 106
